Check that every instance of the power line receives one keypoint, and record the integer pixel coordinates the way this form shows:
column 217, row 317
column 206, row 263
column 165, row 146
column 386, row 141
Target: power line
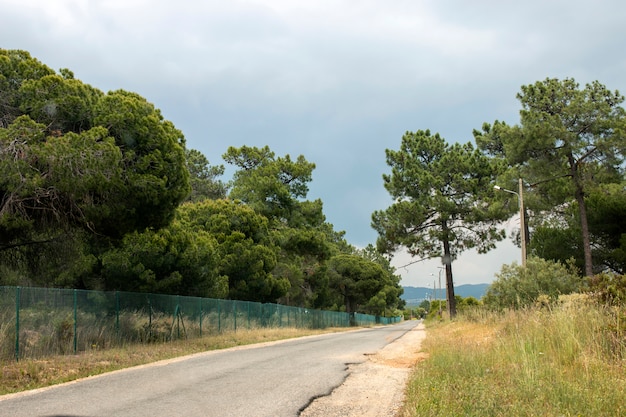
column 414, row 262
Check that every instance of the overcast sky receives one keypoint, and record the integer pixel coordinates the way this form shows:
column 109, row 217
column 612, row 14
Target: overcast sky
column 336, row 81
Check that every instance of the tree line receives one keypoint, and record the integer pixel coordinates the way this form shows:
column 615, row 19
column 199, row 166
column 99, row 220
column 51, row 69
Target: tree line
column 99, row 191
column 567, row 154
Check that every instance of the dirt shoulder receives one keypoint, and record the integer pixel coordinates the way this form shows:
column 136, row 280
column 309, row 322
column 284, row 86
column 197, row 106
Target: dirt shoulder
column 374, row 388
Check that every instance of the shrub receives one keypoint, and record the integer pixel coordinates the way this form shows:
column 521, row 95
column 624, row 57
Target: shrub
column 517, row 286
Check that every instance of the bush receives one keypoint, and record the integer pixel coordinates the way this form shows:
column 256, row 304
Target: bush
column 609, row 288
column 517, row 286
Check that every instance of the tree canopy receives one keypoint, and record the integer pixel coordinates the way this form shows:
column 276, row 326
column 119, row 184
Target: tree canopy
column 246, row 253
column 204, row 178
column 569, row 140
column 98, row 190
column 273, row 186
column 72, row 156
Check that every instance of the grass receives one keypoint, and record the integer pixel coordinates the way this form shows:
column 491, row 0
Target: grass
column 568, row 359
column 36, row 373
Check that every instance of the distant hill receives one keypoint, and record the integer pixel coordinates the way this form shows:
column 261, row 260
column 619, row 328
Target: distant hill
column 415, row 295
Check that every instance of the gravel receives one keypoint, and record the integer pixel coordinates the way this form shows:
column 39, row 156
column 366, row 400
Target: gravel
column 374, row 388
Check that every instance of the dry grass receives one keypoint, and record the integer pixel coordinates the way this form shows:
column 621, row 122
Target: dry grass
column 31, row 373
column 565, row 360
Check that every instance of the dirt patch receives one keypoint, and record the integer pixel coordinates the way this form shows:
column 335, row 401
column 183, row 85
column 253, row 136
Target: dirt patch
column 374, row 388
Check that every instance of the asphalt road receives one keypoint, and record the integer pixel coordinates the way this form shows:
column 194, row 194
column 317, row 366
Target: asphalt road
column 274, row 380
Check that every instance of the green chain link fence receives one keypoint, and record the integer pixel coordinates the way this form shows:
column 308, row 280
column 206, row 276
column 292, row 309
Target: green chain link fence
column 38, row 322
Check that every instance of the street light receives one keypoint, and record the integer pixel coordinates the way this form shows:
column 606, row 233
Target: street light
column 437, row 293
column 520, row 199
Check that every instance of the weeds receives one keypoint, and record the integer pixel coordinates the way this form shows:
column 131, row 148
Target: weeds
column 561, row 359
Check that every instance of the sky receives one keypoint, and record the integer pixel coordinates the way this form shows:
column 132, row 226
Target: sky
column 335, row 81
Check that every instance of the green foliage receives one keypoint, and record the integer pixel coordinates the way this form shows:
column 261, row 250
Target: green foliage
column 609, row 288
column 463, row 303
column 276, row 188
column 439, row 210
column 415, row 313
column 269, row 184
column 517, row 287
column 63, row 105
column 16, row 66
column 302, row 255
column 156, row 178
column 51, row 183
column 559, row 238
column 607, row 224
column 363, row 284
column 203, row 177
column 569, row 140
column 437, row 188
column 78, row 166
column 72, row 156
column 90, row 190
column 393, row 290
column 64, row 261
column 552, row 362
column 558, row 243
column 245, row 252
column 172, row 260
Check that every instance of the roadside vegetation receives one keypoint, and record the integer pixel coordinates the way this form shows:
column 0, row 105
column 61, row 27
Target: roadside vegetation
column 555, row 356
column 99, row 191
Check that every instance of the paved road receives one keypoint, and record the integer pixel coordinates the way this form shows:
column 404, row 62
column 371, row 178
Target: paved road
column 273, row 380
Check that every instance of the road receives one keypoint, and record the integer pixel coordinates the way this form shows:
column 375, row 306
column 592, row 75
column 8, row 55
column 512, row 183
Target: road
column 271, row 379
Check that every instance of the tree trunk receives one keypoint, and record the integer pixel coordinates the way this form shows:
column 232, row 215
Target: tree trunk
column 584, row 226
column 579, row 194
column 447, row 261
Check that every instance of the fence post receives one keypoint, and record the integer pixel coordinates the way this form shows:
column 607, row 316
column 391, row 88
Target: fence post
column 75, row 321
column 177, row 316
column 219, row 317
column 18, row 291
column 235, row 313
column 117, row 314
column 200, row 317
column 149, row 320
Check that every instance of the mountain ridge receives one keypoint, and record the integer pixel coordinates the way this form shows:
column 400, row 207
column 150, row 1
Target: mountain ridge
column 415, row 295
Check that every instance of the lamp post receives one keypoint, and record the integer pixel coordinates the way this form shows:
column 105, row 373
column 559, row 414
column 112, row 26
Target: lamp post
column 435, row 293
column 520, row 199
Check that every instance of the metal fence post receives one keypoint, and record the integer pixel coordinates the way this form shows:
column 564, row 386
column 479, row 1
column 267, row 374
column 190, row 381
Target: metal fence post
column 149, row 319
column 18, row 291
column 75, row 321
column 200, row 317
column 117, row 314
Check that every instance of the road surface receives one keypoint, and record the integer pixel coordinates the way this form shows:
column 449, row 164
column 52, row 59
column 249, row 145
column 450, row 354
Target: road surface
column 270, row 379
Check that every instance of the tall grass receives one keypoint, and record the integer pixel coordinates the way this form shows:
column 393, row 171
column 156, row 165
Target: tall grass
column 564, row 359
